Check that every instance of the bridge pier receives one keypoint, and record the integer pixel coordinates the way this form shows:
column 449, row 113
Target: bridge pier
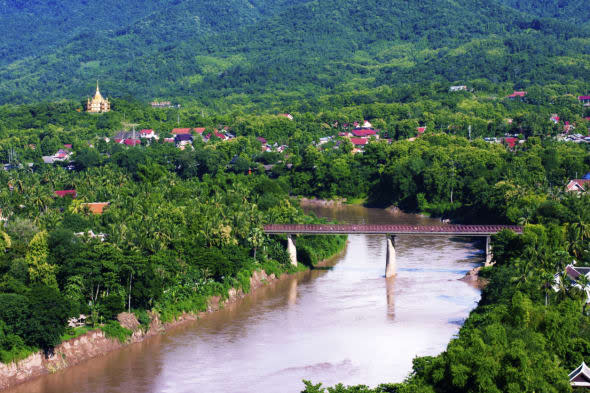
column 291, row 250
column 489, row 254
column 390, row 259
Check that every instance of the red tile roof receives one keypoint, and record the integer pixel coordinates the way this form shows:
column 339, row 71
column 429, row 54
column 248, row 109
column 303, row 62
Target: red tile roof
column 179, row 131
column 363, row 132
column 578, row 184
column 199, row 130
column 421, row 130
column 63, row 193
column 517, row 94
column 132, row 142
column 511, row 141
column 96, row 207
column 583, row 98
column 359, row 141
column 145, row 132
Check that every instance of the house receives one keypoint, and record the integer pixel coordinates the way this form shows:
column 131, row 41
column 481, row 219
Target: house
column 457, row 88
column 183, row 140
column 573, row 274
column 169, row 140
column 366, row 124
column 96, row 207
column 218, row 135
column 200, row 130
column 161, row 104
column 287, row 115
column 580, row 377
column 517, row 94
column 364, row 132
column 359, row 141
column 510, row 142
column 61, row 156
column 584, row 100
column 63, row 193
column 148, row 134
column 77, row 322
column 578, row 185
column 122, row 136
column 261, row 140
column 421, row 130
column 132, row 142
column 567, row 128
column 66, row 146
column 91, row 235
column 554, row 118
column 181, row 131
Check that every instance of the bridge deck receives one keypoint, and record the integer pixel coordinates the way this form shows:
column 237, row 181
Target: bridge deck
column 437, row 230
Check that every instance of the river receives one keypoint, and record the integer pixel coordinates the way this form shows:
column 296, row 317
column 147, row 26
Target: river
column 344, row 323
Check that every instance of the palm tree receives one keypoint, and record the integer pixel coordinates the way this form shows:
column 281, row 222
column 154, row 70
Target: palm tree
column 256, row 239
column 548, row 280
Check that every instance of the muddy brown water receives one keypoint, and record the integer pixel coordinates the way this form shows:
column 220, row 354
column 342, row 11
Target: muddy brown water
column 345, row 323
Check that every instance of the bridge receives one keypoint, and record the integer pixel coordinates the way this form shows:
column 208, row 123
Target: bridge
column 390, row 231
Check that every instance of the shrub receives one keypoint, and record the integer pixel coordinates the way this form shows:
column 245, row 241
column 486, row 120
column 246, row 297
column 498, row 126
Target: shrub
column 112, row 329
column 144, row 319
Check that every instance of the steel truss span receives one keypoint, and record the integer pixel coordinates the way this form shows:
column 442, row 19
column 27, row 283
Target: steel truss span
column 436, row 230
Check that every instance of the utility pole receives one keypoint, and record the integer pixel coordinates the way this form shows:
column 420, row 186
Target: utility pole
column 469, row 132
column 132, row 125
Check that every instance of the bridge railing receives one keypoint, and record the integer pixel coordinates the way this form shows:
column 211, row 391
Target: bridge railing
column 466, row 230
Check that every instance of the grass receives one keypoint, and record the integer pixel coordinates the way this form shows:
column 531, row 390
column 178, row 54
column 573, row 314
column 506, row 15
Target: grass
column 16, row 354
column 75, row 332
column 356, row 201
column 112, row 329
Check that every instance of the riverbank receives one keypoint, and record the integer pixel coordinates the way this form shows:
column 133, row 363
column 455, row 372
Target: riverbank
column 472, row 278
column 95, row 343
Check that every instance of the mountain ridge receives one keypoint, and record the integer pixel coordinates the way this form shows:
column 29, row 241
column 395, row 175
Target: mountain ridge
column 323, row 46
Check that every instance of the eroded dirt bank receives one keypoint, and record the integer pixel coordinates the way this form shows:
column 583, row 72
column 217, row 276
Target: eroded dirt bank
column 95, row 343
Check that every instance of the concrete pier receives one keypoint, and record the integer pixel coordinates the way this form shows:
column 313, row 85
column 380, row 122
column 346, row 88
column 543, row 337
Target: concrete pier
column 489, row 254
column 292, row 250
column 390, row 259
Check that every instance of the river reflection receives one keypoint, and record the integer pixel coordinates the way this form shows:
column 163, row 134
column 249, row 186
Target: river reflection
column 345, row 324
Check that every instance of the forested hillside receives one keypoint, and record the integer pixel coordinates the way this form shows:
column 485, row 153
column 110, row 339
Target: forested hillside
column 568, row 10
column 212, row 52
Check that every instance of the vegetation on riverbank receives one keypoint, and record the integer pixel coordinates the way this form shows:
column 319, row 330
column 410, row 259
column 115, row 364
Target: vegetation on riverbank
column 529, row 329
column 168, row 240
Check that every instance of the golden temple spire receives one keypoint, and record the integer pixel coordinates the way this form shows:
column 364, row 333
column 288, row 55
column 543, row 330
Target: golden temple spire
column 98, row 104
column 97, row 95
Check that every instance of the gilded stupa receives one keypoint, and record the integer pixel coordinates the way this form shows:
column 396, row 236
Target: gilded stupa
column 98, row 104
